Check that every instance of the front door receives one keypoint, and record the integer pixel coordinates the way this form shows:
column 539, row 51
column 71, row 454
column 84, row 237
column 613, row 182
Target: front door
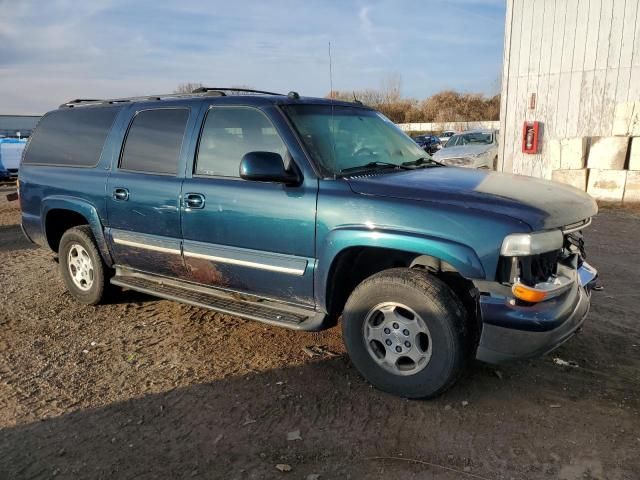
column 245, row 236
column 143, row 192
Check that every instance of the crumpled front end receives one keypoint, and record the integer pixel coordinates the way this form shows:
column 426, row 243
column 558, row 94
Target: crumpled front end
column 539, row 300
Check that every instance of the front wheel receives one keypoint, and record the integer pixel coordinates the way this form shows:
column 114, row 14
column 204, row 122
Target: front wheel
column 405, row 332
column 81, row 265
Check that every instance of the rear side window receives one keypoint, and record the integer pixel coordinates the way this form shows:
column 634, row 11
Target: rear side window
column 231, row 132
column 154, row 141
column 71, row 137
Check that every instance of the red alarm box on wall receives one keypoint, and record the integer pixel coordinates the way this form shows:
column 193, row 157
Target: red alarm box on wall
column 530, row 137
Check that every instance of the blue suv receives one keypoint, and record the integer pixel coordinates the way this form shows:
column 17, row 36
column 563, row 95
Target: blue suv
column 301, row 212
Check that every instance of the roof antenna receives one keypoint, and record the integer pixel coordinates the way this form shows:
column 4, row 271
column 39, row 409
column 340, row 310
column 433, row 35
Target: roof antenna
column 330, row 74
column 331, row 127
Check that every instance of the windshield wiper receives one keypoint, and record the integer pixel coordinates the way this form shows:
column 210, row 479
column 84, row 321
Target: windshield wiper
column 378, row 164
column 424, row 161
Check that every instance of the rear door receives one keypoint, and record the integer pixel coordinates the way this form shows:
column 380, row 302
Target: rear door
column 143, row 191
column 246, row 236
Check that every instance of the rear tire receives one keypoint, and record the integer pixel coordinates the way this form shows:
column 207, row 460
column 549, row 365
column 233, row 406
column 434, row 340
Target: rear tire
column 405, row 332
column 81, row 266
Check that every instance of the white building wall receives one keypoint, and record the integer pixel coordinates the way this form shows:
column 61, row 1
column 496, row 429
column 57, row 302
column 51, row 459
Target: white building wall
column 582, row 60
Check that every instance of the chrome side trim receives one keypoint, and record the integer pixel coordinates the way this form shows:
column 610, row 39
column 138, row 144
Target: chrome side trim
column 146, row 241
column 574, row 228
column 146, row 246
column 245, row 263
column 258, row 259
column 244, row 257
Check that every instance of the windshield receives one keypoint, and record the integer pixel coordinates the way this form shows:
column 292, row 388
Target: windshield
column 341, row 138
column 477, row 138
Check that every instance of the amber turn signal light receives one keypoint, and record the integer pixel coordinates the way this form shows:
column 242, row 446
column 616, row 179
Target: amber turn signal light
column 527, row 294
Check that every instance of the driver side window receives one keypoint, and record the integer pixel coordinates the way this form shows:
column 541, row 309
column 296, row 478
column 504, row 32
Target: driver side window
column 228, row 134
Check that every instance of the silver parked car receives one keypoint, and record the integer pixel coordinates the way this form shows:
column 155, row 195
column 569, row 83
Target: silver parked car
column 471, row 149
column 446, row 135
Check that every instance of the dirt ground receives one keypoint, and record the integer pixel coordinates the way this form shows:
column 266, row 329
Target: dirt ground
column 144, row 388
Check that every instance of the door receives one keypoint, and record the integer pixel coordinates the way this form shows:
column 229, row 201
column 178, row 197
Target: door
column 143, row 193
column 245, row 236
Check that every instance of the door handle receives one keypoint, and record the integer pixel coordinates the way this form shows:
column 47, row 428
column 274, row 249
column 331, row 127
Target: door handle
column 121, row 194
column 194, row 201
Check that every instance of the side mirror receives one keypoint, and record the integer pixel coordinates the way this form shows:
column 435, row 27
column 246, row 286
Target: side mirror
column 267, row 167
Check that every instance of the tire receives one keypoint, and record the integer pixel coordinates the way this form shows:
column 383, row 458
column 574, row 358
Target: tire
column 78, row 248
column 414, row 298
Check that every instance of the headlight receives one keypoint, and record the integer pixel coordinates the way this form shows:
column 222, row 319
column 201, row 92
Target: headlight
column 525, row 244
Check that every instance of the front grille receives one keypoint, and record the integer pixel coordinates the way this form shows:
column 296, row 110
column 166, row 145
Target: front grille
column 538, row 268
column 574, row 244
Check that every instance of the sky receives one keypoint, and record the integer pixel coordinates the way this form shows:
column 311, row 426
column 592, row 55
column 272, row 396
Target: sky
column 52, row 51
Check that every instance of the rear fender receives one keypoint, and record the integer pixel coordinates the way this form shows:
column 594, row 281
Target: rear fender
column 84, row 208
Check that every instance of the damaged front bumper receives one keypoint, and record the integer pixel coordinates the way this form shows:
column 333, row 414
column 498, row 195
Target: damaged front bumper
column 512, row 331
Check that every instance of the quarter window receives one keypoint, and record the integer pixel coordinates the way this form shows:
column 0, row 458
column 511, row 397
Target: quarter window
column 154, row 141
column 71, row 136
column 231, row 132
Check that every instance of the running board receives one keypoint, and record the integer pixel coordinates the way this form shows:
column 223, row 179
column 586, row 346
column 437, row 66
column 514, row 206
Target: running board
column 231, row 303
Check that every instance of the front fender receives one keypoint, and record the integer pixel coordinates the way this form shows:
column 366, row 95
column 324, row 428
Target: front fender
column 84, row 208
column 461, row 257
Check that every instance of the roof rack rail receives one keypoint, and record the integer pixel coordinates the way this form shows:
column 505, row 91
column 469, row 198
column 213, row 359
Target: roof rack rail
column 233, row 89
column 204, row 91
column 77, row 101
column 81, row 101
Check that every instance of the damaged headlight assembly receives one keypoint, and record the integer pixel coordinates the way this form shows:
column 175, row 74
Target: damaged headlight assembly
column 528, row 244
column 525, row 244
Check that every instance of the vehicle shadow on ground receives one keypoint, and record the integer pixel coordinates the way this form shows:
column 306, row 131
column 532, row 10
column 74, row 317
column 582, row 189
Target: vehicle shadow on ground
column 118, row 296
column 12, row 238
column 223, row 429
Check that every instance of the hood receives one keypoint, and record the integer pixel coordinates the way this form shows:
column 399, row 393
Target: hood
column 539, row 203
column 463, row 151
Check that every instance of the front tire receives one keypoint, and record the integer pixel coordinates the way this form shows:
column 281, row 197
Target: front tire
column 81, row 266
column 405, row 332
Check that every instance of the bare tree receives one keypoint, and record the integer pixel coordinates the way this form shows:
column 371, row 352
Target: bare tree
column 188, row 87
column 391, row 87
column 445, row 106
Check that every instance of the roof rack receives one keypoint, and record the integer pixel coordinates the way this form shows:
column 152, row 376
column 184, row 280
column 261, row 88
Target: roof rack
column 234, row 90
column 78, row 101
column 202, row 91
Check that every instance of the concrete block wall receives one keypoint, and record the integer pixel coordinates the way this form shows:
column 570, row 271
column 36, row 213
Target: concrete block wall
column 634, row 156
column 572, row 153
column 607, row 185
column 632, row 187
column 608, row 153
column 575, row 178
column 608, row 168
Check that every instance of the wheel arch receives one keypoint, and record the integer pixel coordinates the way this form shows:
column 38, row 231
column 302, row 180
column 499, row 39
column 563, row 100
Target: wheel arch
column 59, row 213
column 350, row 255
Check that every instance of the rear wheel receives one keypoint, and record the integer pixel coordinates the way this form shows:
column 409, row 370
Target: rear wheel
column 81, row 265
column 405, row 332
